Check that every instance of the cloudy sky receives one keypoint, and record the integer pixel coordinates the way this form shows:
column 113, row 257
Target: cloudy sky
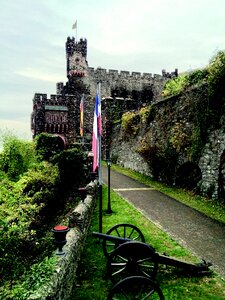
column 132, row 35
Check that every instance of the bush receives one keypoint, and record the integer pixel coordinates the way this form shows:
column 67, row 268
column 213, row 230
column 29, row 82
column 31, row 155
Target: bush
column 24, row 219
column 48, row 145
column 198, row 76
column 71, row 167
column 216, row 69
column 130, row 123
column 175, row 86
column 147, row 114
column 29, row 205
column 17, row 156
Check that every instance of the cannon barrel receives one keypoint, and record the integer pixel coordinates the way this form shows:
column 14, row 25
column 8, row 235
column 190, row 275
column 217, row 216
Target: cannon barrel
column 115, row 239
column 174, row 262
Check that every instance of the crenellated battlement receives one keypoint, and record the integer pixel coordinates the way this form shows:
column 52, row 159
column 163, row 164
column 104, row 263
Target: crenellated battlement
column 130, row 75
column 41, row 100
column 76, row 46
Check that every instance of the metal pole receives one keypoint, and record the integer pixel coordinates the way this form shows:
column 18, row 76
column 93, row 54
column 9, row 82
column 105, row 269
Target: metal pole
column 109, row 210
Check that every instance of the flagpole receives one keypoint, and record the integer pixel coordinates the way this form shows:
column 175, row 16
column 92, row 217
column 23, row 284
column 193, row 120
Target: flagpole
column 82, row 119
column 76, row 31
column 100, row 168
column 75, row 27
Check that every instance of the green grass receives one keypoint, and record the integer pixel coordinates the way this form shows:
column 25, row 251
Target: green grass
column 212, row 208
column 93, row 282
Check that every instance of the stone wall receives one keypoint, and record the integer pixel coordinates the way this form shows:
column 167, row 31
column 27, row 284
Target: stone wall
column 123, row 152
column 211, row 164
column 64, row 277
column 110, row 79
column 163, row 147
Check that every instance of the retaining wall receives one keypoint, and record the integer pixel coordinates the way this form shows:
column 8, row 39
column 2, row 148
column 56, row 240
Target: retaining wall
column 64, row 277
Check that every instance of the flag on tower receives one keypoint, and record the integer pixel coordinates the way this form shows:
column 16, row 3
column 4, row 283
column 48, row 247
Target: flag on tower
column 74, row 25
column 82, row 116
column 97, row 131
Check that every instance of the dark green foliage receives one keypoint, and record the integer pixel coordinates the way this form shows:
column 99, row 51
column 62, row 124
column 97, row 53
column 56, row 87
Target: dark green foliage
column 71, row 167
column 30, row 206
column 161, row 162
column 163, row 166
column 42, row 185
column 130, row 124
column 48, row 145
column 216, row 69
column 24, row 219
column 175, row 86
column 17, row 156
column 197, row 76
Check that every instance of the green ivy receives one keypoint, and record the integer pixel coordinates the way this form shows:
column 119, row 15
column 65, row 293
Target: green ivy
column 130, row 123
column 147, row 113
column 175, row 86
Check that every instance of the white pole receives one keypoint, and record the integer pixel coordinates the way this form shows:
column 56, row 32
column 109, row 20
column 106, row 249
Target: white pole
column 100, row 163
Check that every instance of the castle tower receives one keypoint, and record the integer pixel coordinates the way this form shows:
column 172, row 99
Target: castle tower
column 76, row 55
column 60, row 114
column 56, row 115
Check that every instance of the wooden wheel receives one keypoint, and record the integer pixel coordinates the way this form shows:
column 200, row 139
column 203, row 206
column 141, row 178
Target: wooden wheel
column 136, row 287
column 123, row 230
column 133, row 259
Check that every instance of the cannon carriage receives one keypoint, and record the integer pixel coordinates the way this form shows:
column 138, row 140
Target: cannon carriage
column 133, row 264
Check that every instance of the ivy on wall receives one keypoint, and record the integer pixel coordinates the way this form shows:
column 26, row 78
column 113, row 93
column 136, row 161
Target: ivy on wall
column 179, row 136
column 130, row 123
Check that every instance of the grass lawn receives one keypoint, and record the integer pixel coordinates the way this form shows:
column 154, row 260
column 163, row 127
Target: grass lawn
column 93, row 282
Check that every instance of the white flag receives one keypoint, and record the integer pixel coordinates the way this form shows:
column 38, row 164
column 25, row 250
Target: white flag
column 74, row 25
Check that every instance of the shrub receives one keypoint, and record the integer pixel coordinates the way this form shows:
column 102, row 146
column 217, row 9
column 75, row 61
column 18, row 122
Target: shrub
column 147, row 114
column 197, row 76
column 27, row 208
column 216, row 69
column 130, row 123
column 17, row 156
column 180, row 136
column 175, row 86
column 48, row 145
column 71, row 167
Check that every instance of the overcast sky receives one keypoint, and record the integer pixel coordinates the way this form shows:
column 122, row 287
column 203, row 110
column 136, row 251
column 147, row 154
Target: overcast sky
column 132, row 35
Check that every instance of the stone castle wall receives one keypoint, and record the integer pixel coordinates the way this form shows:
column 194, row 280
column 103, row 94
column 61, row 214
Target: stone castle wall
column 76, row 54
column 56, row 115
column 60, row 113
column 173, row 125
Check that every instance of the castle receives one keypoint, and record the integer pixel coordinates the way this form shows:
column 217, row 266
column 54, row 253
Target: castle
column 59, row 114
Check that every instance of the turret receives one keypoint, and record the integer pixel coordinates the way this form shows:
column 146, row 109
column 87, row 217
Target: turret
column 76, row 54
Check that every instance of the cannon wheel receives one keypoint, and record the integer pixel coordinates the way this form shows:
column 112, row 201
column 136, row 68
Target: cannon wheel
column 122, row 230
column 132, row 259
column 136, row 287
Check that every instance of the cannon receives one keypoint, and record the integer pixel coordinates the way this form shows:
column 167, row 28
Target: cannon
column 128, row 256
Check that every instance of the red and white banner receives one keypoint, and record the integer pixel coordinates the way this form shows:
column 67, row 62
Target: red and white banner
column 97, row 131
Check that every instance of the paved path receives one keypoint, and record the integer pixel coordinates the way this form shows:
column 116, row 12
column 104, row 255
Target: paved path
column 198, row 233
